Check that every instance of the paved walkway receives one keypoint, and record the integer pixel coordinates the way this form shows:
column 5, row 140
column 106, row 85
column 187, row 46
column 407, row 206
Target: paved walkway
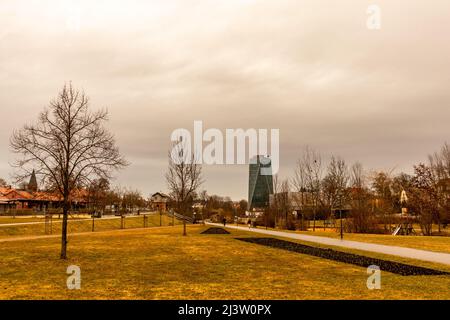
column 417, row 254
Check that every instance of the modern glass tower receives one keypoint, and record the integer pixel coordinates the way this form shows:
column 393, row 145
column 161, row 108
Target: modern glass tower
column 260, row 183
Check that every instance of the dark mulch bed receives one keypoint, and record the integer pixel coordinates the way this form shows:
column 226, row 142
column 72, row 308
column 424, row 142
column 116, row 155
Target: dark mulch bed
column 215, row 231
column 330, row 254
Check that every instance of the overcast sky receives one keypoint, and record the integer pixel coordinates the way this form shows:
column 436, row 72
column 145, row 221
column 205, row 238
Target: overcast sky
column 309, row 68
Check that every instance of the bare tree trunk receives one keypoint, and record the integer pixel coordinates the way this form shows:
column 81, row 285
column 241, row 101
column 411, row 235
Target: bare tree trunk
column 314, row 223
column 303, row 222
column 64, row 229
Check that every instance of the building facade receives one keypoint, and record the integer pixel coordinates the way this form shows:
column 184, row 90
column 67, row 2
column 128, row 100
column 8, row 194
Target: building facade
column 260, row 183
column 160, row 202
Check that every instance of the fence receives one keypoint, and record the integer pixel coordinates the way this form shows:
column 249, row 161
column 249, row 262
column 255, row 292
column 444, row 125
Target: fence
column 181, row 217
column 51, row 224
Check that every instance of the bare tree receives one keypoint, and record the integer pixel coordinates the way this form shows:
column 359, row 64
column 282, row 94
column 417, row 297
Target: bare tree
column 97, row 194
column 68, row 147
column 360, row 200
column 274, row 210
column 358, row 178
column 3, row 182
column 299, row 184
column 440, row 162
column 285, row 205
column 132, row 200
column 382, row 185
column 335, row 186
column 279, row 212
column 424, row 197
column 335, row 183
column 440, row 168
column 184, row 176
column 309, row 172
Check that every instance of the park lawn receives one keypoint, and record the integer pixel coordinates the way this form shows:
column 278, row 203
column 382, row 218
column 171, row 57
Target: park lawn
column 8, row 220
column 40, row 218
column 84, row 225
column 159, row 263
column 434, row 243
column 28, row 219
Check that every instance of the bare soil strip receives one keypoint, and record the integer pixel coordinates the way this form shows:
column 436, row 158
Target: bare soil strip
column 358, row 260
column 215, row 231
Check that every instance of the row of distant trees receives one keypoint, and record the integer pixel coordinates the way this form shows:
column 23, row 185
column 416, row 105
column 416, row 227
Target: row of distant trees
column 101, row 197
column 371, row 198
column 221, row 207
column 184, row 179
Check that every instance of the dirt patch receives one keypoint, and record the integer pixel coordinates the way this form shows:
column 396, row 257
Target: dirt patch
column 330, row 254
column 215, row 231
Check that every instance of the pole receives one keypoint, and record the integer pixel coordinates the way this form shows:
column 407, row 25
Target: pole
column 342, row 227
column 303, row 222
column 184, row 228
column 160, row 218
column 93, row 224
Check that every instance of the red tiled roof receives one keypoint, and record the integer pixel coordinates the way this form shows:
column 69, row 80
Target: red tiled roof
column 6, row 194
column 4, row 190
column 18, row 195
column 46, row 196
column 4, row 200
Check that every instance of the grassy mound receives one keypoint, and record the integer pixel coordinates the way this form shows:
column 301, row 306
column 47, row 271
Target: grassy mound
column 215, row 231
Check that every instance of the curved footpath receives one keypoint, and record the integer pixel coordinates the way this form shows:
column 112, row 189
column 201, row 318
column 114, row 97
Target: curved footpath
column 437, row 257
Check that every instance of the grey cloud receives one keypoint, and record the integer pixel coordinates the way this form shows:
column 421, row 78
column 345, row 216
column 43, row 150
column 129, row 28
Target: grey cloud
column 309, row 68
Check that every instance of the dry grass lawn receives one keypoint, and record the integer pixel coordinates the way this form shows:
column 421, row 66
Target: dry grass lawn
column 159, row 263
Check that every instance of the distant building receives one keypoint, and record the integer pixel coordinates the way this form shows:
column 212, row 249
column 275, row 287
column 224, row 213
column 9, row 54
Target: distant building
column 33, row 185
column 160, row 202
column 13, row 199
column 260, row 183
